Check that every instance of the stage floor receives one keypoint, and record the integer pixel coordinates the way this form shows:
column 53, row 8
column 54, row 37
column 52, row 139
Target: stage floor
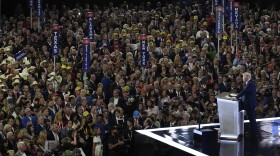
column 268, row 143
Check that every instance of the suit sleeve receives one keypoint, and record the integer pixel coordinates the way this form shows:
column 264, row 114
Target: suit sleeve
column 245, row 91
column 23, row 122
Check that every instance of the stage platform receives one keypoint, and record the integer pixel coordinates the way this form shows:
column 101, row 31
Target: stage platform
column 180, row 141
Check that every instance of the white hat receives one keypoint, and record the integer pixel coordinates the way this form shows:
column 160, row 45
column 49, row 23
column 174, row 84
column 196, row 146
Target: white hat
column 8, row 48
column 16, row 82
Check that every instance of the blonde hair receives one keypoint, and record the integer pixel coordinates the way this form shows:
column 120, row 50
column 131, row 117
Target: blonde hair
column 6, row 127
column 56, row 118
column 42, row 135
column 21, row 132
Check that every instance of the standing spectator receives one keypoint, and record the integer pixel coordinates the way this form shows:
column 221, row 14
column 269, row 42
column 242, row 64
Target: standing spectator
column 115, row 143
column 54, row 133
column 21, row 149
column 97, row 147
column 28, row 118
column 65, row 132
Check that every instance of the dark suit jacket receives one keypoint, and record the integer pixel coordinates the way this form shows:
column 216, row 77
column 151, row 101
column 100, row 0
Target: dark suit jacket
column 113, row 86
column 39, row 128
column 224, row 88
column 172, row 94
column 46, row 94
column 65, row 132
column 12, row 145
column 181, row 93
column 51, row 136
column 250, row 95
column 121, row 102
column 92, row 86
column 51, row 113
column 77, row 60
column 121, row 123
column 2, row 136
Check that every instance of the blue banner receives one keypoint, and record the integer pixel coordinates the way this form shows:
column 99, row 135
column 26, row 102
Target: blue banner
column 20, row 55
column 224, row 4
column 236, row 15
column 30, row 3
column 219, row 20
column 55, row 39
column 230, row 11
column 86, row 54
column 216, row 2
column 144, row 52
column 39, row 8
column 90, row 26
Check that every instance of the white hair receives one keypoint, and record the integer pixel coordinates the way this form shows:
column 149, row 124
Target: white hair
column 19, row 144
column 247, row 74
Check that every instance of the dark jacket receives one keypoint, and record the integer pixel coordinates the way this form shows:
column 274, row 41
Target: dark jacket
column 249, row 92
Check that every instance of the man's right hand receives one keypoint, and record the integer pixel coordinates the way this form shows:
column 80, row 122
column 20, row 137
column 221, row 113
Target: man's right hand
column 120, row 143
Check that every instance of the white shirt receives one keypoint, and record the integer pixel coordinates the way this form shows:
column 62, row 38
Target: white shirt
column 96, row 139
column 116, row 100
column 154, row 110
column 52, row 109
column 56, row 138
column 67, row 117
column 121, row 118
column 22, row 153
column 172, row 124
column 247, row 81
column 178, row 93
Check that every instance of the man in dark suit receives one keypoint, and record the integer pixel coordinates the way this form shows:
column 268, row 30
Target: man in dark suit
column 250, row 100
column 117, row 100
column 40, row 126
column 54, row 134
column 65, row 132
column 2, row 135
column 52, row 109
column 11, row 141
column 119, row 120
column 75, row 58
column 92, row 83
column 21, row 148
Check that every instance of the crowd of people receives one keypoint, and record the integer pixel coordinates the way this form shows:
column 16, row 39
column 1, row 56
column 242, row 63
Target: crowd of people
column 52, row 108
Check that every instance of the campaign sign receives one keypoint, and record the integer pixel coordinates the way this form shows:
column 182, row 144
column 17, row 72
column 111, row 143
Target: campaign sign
column 55, row 39
column 219, row 20
column 86, row 54
column 20, row 55
column 230, row 11
column 30, row 3
column 39, row 8
column 144, row 52
column 216, row 2
column 224, row 3
column 90, row 25
column 236, row 15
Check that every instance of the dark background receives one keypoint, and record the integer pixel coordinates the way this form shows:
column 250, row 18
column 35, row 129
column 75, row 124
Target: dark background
column 9, row 7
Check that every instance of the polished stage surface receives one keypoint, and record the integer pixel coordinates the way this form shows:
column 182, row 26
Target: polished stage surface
column 181, row 138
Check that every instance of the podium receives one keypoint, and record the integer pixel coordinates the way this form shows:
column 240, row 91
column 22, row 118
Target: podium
column 232, row 148
column 230, row 117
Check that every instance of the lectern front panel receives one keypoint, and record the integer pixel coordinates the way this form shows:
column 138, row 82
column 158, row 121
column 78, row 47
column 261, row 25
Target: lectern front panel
column 229, row 118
